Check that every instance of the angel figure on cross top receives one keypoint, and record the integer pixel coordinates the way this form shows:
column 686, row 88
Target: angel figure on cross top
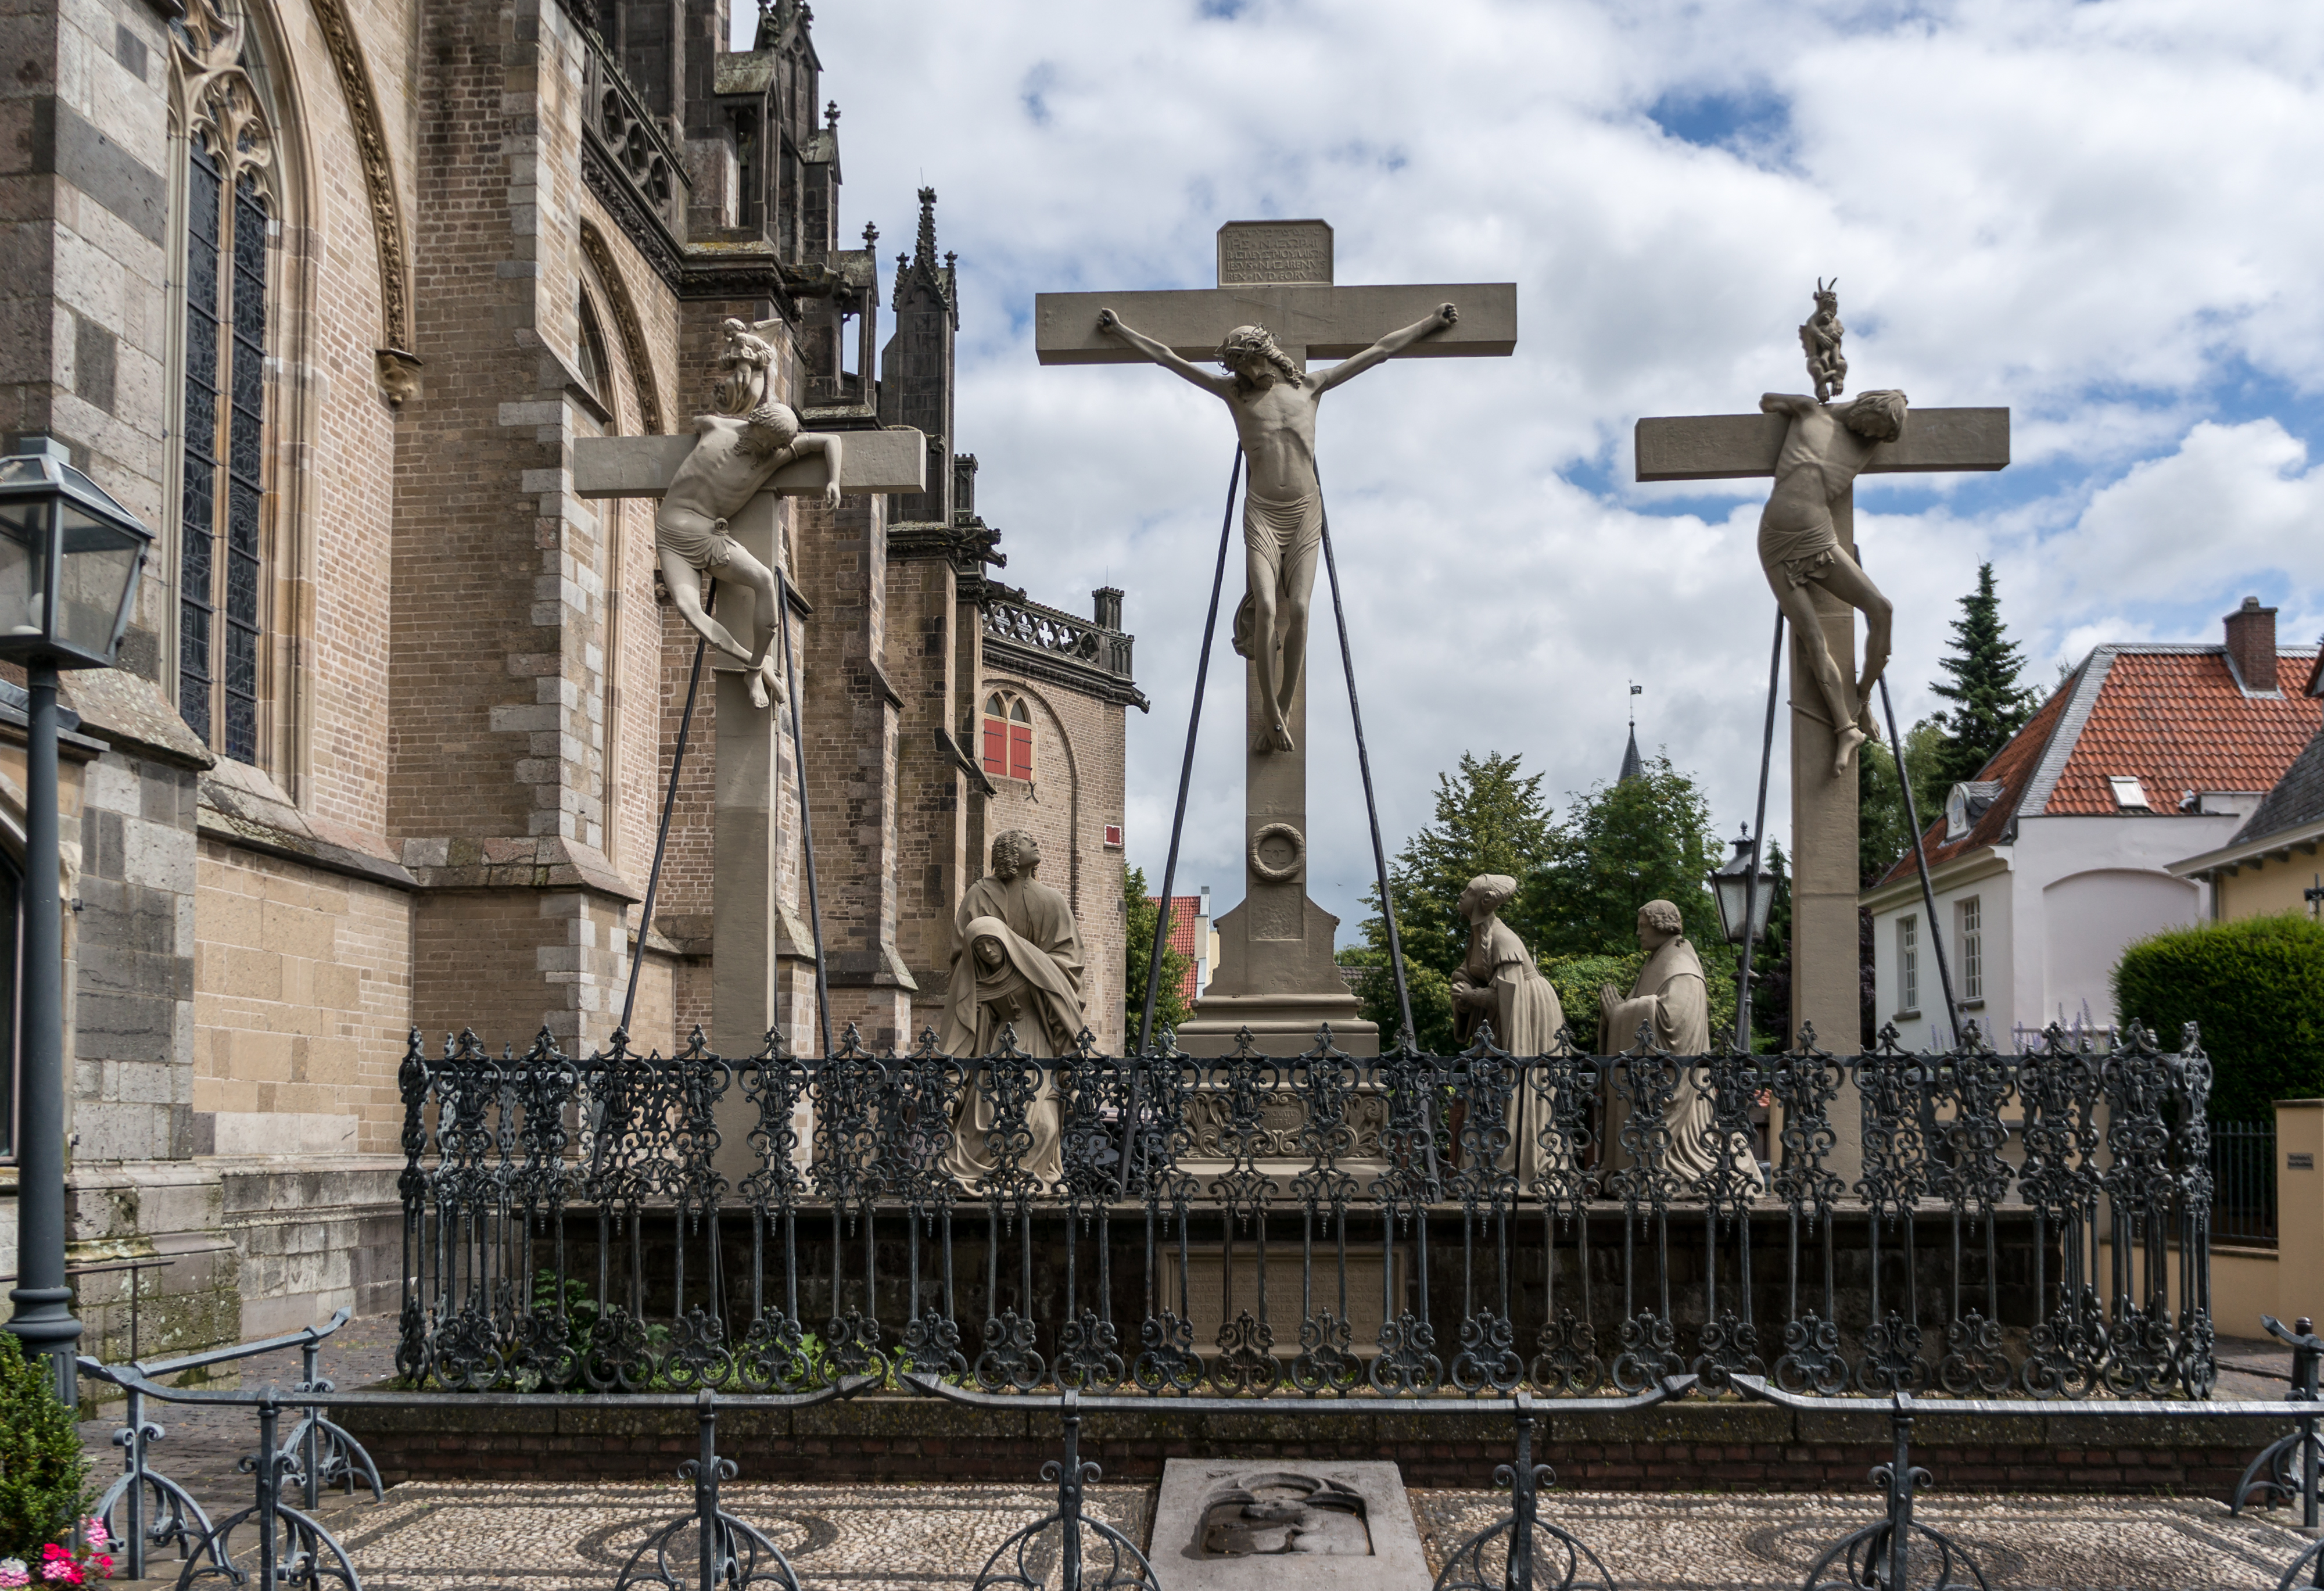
column 1273, row 401
column 740, row 449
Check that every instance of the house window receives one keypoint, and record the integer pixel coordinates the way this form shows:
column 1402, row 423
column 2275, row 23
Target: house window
column 222, row 496
column 2129, row 795
column 1908, row 964
column 1973, row 949
column 1008, row 752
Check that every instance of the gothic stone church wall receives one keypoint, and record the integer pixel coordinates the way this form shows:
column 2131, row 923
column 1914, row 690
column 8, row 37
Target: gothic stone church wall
column 429, row 798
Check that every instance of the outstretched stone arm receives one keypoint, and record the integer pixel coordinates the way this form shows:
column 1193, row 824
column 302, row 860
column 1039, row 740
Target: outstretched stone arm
column 833, row 449
column 1388, row 347
column 1112, row 325
column 1786, row 403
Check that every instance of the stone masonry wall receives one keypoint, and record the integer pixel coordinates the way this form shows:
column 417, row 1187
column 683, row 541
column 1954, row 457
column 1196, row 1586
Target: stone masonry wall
column 302, row 1003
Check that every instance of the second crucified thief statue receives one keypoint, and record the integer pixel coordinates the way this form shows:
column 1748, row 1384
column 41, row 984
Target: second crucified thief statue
column 1273, row 401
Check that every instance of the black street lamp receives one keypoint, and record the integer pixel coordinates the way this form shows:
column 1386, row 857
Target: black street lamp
column 69, row 559
column 1745, row 890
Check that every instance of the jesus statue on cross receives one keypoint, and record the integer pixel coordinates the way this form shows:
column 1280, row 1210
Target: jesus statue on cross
column 1273, row 401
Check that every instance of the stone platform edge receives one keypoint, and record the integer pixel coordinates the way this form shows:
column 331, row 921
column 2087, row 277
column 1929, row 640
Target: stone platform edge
column 1729, row 1446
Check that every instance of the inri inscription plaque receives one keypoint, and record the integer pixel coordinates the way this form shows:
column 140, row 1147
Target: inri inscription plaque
column 1256, row 253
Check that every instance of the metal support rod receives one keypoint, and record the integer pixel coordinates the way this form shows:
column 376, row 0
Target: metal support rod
column 1371, row 805
column 1921, row 861
column 1177, row 826
column 661, row 834
column 1186, row 778
column 1758, row 843
column 806, row 822
column 133, row 1461
column 42, row 1319
column 270, row 1479
column 310, row 1355
column 706, row 1491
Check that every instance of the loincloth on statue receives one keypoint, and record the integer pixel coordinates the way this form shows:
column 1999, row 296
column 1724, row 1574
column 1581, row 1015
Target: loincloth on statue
column 1803, row 554
column 1278, row 532
column 696, row 537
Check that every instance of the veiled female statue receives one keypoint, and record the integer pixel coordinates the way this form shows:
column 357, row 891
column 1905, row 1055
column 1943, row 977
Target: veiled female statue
column 1000, row 982
column 1498, row 983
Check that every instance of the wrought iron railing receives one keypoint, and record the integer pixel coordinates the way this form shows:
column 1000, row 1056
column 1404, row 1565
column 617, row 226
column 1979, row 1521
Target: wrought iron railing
column 1316, row 1224
column 2242, row 1183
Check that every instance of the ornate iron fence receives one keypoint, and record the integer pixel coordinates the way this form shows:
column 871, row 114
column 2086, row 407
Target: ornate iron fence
column 1317, row 1225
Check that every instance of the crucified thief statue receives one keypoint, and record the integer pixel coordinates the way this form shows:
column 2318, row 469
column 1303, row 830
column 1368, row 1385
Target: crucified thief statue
column 1824, row 450
column 1273, row 401
column 739, row 449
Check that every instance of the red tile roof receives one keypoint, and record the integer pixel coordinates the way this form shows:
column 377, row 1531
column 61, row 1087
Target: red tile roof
column 2178, row 721
column 2172, row 716
column 1183, row 911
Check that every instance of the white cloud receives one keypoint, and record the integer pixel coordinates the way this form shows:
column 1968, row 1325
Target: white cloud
column 2104, row 216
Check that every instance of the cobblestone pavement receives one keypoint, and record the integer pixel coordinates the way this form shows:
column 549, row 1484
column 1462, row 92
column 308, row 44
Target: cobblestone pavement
column 1731, row 1543
column 435, row 1537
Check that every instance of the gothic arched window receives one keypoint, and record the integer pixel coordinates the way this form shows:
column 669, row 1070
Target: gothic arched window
column 1008, row 735
column 228, row 209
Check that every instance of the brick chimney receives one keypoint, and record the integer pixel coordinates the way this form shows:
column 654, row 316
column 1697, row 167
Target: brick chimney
column 2250, row 644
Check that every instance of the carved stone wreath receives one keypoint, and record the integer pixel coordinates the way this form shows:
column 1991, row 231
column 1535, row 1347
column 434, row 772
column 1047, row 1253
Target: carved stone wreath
column 1279, row 872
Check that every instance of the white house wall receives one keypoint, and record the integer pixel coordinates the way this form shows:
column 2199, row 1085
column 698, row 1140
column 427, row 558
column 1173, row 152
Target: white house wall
column 2058, row 908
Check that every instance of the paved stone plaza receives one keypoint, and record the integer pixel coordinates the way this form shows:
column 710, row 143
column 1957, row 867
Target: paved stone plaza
column 432, row 1537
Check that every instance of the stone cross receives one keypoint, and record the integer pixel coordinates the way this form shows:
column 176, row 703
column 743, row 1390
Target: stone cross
column 746, row 896
column 1824, row 937
column 1276, row 975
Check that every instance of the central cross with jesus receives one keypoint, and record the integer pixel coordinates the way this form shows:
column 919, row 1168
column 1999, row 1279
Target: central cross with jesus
column 1275, row 307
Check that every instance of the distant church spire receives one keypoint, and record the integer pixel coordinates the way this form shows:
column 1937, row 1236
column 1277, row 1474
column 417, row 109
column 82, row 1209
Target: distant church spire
column 923, row 269
column 1634, row 766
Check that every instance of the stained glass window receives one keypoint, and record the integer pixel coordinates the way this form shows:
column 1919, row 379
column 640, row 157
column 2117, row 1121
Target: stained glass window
column 221, row 520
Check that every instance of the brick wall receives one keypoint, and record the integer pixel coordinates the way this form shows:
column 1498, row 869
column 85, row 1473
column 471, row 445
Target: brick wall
column 1692, row 1447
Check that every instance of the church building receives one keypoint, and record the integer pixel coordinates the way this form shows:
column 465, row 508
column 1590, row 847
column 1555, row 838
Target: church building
column 328, row 292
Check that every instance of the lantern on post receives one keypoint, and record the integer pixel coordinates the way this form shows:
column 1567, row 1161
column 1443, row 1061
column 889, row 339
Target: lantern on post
column 69, row 560
column 1745, row 890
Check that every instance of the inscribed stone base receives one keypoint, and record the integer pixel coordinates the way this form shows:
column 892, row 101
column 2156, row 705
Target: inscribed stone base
column 1277, row 977
column 1220, row 1526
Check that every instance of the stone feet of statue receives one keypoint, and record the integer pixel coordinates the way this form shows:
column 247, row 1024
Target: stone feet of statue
column 1850, row 739
column 767, row 686
column 1866, row 722
column 1276, row 737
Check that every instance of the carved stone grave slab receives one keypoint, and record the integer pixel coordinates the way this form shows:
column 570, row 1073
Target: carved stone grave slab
column 1220, row 1526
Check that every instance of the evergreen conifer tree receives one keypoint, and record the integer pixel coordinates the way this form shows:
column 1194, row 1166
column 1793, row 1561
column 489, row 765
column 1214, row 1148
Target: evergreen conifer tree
column 1990, row 704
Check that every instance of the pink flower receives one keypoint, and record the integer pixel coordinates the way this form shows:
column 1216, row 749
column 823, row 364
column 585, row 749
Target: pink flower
column 99, row 1537
column 13, row 1572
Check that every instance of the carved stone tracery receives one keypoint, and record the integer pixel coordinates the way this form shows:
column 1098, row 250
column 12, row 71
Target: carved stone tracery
column 219, row 98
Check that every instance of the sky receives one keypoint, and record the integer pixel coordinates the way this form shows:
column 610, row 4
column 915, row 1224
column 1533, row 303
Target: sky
column 2106, row 216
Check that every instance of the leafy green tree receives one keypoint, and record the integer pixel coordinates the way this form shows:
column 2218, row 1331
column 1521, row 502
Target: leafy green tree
column 1172, row 1005
column 1621, row 845
column 1882, row 834
column 1771, row 961
column 1490, row 817
column 2254, row 989
column 1989, row 704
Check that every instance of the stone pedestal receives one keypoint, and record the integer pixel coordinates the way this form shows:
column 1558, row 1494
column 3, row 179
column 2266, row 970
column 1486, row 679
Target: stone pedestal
column 1276, row 975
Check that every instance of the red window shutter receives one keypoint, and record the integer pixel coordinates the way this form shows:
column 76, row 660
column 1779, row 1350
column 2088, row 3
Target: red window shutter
column 1021, row 751
column 996, row 747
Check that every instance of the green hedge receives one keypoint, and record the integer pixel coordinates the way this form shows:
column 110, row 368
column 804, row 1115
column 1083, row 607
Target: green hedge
column 2254, row 987
column 43, row 1472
